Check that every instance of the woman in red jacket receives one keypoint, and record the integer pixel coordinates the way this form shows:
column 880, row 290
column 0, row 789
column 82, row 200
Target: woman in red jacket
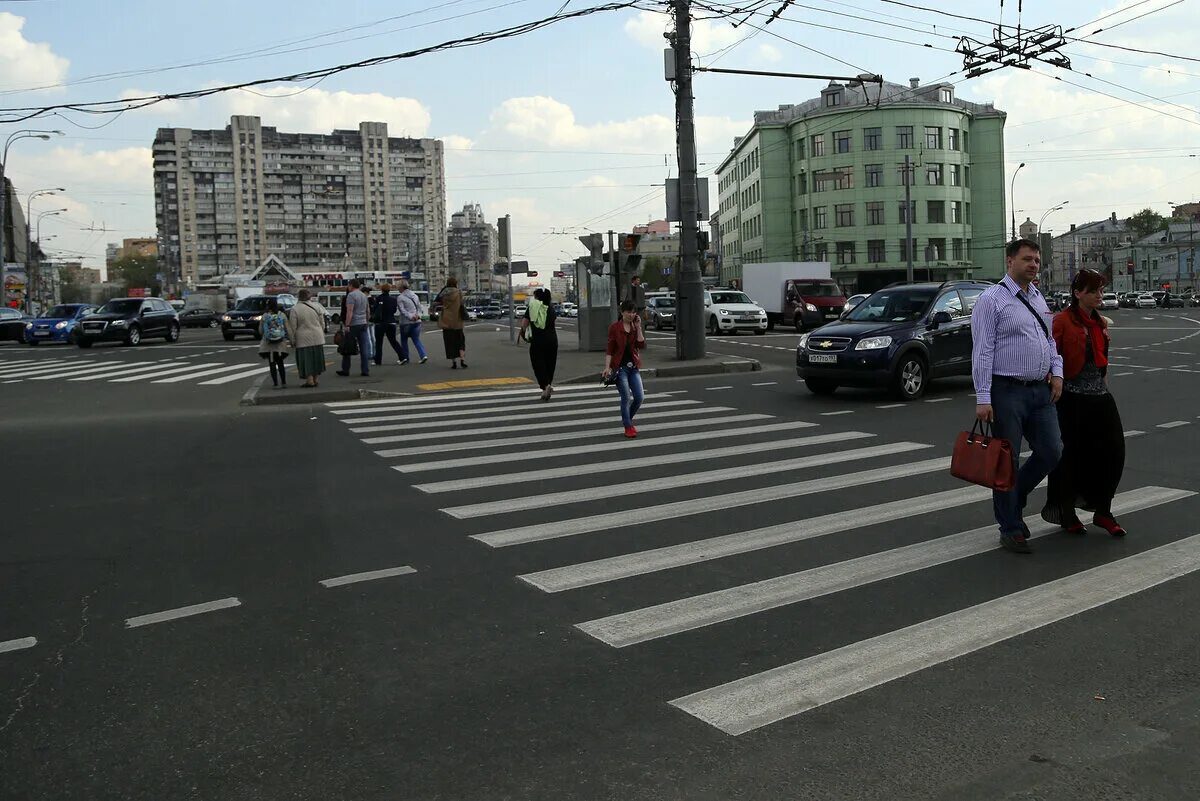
column 1093, row 439
column 623, row 357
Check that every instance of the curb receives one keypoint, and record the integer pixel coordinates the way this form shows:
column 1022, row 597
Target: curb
column 256, row 397
column 680, row 371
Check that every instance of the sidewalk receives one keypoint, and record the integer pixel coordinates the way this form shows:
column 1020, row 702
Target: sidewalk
column 491, row 361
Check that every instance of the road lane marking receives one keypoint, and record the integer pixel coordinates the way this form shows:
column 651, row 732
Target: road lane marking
column 183, row 611
column 667, row 511
column 765, row 384
column 490, row 410
column 891, row 406
column 531, row 478
column 768, row 697
column 190, row 369
column 476, row 382
column 201, row 374
column 128, row 370
column 370, row 575
column 538, row 413
column 1175, row 424
column 707, row 609
column 602, row 447
column 489, row 405
column 1121, row 374
column 225, row 379
column 97, row 369
column 714, row 389
column 835, row 414
column 938, row 400
column 1133, row 432
column 17, row 645
column 456, row 396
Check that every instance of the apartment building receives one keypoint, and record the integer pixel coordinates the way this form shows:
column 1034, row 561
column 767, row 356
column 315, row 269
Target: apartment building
column 472, row 246
column 351, row 199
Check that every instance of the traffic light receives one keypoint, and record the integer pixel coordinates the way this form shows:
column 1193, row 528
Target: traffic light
column 532, row 273
column 595, row 245
column 560, row 274
column 502, row 231
column 629, row 242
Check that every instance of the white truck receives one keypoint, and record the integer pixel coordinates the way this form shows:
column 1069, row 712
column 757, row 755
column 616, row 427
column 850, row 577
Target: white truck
column 797, row 293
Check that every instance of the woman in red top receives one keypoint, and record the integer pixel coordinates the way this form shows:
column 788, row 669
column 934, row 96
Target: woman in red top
column 1093, row 438
column 623, row 357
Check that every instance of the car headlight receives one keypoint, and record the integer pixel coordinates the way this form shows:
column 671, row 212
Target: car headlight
column 873, row 343
column 803, row 342
column 256, row 318
column 118, row 323
column 28, row 326
column 810, row 307
column 225, row 318
column 61, row 326
column 724, row 311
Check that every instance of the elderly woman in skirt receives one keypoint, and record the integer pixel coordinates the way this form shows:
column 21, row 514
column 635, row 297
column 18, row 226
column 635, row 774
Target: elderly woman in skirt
column 308, row 332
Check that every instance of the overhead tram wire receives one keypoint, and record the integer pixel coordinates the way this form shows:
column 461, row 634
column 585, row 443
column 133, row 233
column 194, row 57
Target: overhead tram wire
column 1089, row 23
column 1125, row 21
column 1116, row 97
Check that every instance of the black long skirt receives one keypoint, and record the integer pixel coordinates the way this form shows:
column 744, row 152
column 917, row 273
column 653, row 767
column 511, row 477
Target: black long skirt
column 1093, row 453
column 543, row 355
column 455, row 340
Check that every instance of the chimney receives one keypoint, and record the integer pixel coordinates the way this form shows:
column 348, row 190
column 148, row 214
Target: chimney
column 1114, row 216
column 913, row 83
column 1072, row 226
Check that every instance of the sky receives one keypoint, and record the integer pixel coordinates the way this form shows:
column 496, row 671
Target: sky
column 570, row 129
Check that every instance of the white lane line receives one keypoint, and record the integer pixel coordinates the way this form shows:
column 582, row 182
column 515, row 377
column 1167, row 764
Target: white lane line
column 533, row 429
column 454, row 396
column 706, row 609
column 891, row 406
column 607, row 432
column 108, row 375
column 1175, row 424
column 1133, row 432
column 370, row 575
column 765, row 384
column 225, row 379
column 105, row 369
column 714, row 389
column 532, row 478
column 697, row 506
column 548, row 499
column 600, row 571
column 183, row 611
column 44, row 368
column 938, row 400
column 1115, row 375
column 529, row 414
column 17, row 645
column 190, row 369
column 414, row 415
column 490, row 406
column 835, row 414
column 758, row 700
column 201, row 374
column 602, row 447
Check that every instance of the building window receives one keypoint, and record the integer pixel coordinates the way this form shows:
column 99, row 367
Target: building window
column 906, row 249
column 937, row 250
column 824, row 180
column 802, row 184
column 967, row 219
column 802, row 219
column 844, row 215
column 906, row 174
column 957, row 249
column 875, row 212
column 874, row 175
column 966, row 177
column 946, row 95
column 872, row 139
column 845, row 253
column 820, row 217
column 904, row 137
column 933, row 174
column 818, row 145
column 966, row 143
column 956, row 211
column 821, row 251
column 800, row 149
column 933, row 137
column 843, row 178
column 955, row 175
column 833, row 99
column 936, row 211
column 952, row 134
column 841, row 141
column 908, row 212
column 876, row 251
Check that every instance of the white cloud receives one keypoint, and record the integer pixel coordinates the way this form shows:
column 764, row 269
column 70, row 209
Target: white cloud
column 319, row 111
column 769, row 53
column 708, row 36
column 1166, row 74
column 456, row 142
column 602, row 181
column 25, row 64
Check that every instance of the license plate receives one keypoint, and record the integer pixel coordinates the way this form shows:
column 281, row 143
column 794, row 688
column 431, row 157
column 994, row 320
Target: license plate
column 747, row 319
column 832, row 314
column 41, row 333
column 237, row 325
column 822, row 358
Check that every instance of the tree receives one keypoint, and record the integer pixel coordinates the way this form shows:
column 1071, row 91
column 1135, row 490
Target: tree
column 652, row 273
column 136, row 271
column 1144, row 223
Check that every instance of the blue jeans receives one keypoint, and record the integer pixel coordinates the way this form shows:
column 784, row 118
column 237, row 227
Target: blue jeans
column 629, row 384
column 362, row 335
column 411, row 331
column 1024, row 412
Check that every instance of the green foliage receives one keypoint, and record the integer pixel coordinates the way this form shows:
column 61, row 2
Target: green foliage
column 652, row 273
column 135, row 271
column 1145, row 222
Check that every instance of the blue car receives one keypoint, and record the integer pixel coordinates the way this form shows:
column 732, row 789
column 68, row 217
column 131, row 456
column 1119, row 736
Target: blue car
column 56, row 325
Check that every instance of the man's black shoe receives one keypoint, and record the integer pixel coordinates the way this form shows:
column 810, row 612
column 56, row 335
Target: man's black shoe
column 342, row 372
column 1015, row 541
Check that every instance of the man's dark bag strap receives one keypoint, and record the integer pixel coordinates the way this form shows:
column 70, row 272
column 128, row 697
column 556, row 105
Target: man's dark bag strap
column 1036, row 316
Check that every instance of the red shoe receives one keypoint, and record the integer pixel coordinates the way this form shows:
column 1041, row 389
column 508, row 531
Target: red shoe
column 634, row 430
column 630, row 432
column 1109, row 524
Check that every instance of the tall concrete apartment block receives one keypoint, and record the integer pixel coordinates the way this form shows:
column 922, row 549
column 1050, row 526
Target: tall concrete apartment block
column 823, row 180
column 473, row 246
column 345, row 201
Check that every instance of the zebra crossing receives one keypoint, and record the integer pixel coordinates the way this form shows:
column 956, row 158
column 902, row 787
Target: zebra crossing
column 705, row 483
column 78, row 368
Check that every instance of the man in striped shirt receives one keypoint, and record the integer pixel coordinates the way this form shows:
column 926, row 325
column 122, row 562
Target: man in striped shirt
column 1018, row 378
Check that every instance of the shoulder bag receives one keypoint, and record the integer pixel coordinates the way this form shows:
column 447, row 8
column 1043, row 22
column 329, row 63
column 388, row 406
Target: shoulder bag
column 980, row 458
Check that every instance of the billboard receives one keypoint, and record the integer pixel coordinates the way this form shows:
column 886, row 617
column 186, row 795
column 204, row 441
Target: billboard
column 13, row 279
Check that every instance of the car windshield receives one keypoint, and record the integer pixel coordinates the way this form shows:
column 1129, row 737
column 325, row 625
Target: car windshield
column 61, row 312
column 124, row 306
column 730, row 297
column 252, row 304
column 822, row 289
column 902, row 304
column 665, row 303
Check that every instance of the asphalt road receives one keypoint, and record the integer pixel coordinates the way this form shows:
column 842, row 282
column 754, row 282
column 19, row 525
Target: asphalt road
column 769, row 595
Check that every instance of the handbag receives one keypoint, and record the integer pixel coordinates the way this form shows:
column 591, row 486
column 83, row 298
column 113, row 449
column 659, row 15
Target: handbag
column 346, row 346
column 983, row 459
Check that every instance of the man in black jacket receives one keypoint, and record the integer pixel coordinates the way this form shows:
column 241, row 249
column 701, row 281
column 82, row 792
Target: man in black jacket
column 383, row 314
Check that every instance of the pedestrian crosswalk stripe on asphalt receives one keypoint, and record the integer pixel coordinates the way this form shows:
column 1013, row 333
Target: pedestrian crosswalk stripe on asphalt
column 420, row 414
column 128, row 371
column 118, row 371
column 452, row 396
column 159, row 372
column 490, row 404
column 200, row 374
column 763, row 698
column 529, row 413
column 261, row 370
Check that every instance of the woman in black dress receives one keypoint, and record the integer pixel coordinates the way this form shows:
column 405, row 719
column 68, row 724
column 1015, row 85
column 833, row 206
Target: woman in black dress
column 538, row 328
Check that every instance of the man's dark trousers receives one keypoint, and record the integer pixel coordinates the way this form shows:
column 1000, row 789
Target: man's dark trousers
column 1024, row 412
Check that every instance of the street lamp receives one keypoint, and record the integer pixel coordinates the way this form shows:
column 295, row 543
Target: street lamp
column 1050, row 211
column 29, row 221
column 29, row 133
column 36, row 284
column 1012, row 203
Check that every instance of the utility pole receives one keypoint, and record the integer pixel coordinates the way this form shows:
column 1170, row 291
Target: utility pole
column 908, row 215
column 689, row 329
column 505, row 236
column 615, row 261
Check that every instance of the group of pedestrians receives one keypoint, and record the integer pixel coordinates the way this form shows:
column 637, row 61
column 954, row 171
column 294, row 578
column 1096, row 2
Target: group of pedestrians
column 301, row 329
column 1045, row 380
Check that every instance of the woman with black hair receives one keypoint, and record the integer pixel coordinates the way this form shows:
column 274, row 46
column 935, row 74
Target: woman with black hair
column 623, row 359
column 538, row 326
column 275, row 344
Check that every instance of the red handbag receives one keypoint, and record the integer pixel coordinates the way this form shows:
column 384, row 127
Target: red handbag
column 983, row 459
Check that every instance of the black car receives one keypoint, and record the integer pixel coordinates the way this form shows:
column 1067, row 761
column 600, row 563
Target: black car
column 900, row 337
column 661, row 312
column 246, row 316
column 128, row 320
column 12, row 324
column 199, row 318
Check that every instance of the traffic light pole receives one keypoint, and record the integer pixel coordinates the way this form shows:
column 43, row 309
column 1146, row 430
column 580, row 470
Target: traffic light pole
column 689, row 330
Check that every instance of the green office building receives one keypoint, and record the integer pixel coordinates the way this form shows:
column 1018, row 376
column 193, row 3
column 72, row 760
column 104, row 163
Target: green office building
column 824, row 181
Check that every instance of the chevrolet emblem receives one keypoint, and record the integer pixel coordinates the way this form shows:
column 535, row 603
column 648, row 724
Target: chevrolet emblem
column 825, row 344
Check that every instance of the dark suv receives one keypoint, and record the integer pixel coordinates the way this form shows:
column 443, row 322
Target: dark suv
column 900, row 337
column 246, row 316
column 128, row 320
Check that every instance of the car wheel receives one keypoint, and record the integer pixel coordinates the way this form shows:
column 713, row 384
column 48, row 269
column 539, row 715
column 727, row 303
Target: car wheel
column 134, row 337
column 213, row 324
column 83, row 343
column 713, row 328
column 821, row 386
column 799, row 322
column 172, row 333
column 657, row 324
column 911, row 377
column 228, row 337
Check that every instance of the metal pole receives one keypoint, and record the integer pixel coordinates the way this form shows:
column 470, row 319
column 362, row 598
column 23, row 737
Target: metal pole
column 689, row 315
column 512, row 328
column 614, row 312
column 908, row 215
column 1012, row 202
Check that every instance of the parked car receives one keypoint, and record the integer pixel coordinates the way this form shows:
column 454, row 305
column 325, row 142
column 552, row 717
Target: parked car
column 178, row 305
column 1172, row 302
column 12, row 324
column 853, row 301
column 197, row 317
column 1145, row 301
column 570, row 309
column 246, row 316
column 900, row 337
column 57, row 325
column 729, row 310
column 1109, row 301
column 128, row 320
column 661, row 312
column 1128, row 300
column 519, row 311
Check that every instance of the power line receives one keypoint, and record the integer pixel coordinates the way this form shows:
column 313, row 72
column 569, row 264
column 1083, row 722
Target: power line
column 1131, row 19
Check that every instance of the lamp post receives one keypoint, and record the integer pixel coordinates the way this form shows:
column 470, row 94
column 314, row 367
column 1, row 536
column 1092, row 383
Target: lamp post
column 1049, row 261
column 28, row 243
column 1050, row 211
column 1012, row 203
column 37, row 284
column 28, row 133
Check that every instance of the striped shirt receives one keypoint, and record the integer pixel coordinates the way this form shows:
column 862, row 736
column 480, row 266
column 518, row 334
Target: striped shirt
column 1007, row 339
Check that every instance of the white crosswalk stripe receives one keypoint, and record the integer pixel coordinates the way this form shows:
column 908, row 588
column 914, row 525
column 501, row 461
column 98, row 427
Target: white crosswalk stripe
column 157, row 372
column 691, row 465
column 118, row 370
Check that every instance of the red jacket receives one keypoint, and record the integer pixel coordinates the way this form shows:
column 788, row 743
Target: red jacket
column 617, row 339
column 1070, row 335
